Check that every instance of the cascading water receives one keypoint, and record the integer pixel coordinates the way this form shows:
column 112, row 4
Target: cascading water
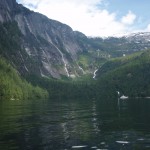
column 94, row 76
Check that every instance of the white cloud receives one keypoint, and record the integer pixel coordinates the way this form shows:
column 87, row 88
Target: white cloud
column 129, row 18
column 148, row 28
column 83, row 15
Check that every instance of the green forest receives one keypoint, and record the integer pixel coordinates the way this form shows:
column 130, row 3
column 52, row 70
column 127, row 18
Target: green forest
column 13, row 87
column 129, row 74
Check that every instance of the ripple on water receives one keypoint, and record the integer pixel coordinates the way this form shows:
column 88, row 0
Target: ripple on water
column 80, row 146
column 122, row 142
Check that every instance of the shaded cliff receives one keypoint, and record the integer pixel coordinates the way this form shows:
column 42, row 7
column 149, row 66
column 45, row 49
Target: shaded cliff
column 43, row 46
column 35, row 44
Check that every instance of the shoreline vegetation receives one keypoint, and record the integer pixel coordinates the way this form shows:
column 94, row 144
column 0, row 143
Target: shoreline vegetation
column 129, row 75
column 14, row 87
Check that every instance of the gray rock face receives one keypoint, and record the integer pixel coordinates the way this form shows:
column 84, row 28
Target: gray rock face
column 7, row 9
column 50, row 44
column 35, row 44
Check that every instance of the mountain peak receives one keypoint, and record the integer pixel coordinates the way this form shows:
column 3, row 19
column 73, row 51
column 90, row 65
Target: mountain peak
column 49, row 43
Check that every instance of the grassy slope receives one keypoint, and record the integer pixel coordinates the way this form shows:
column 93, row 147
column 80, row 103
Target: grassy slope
column 130, row 75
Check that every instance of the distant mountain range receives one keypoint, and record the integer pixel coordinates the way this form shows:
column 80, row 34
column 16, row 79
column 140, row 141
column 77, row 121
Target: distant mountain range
column 38, row 47
column 35, row 44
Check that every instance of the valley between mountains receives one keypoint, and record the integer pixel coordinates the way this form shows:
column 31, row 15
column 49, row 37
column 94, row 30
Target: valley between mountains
column 42, row 58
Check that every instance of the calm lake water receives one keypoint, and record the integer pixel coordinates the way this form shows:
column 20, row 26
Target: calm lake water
column 75, row 124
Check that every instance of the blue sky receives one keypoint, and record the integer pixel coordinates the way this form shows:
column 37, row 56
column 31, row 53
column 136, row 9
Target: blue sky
column 139, row 7
column 96, row 17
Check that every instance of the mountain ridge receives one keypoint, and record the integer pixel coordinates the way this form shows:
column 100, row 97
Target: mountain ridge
column 53, row 42
column 128, row 75
column 35, row 44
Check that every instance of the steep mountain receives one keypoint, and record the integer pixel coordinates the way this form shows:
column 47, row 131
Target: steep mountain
column 141, row 37
column 121, row 46
column 36, row 44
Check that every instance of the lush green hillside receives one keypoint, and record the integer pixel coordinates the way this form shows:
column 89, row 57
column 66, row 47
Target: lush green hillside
column 130, row 75
column 13, row 87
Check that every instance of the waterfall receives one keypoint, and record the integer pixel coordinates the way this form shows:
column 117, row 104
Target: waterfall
column 81, row 69
column 62, row 55
column 94, row 76
column 65, row 64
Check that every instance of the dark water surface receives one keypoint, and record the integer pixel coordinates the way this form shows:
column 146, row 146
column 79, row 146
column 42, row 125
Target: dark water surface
column 75, row 124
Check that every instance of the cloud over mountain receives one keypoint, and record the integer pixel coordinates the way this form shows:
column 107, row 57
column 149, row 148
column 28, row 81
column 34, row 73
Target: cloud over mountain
column 87, row 16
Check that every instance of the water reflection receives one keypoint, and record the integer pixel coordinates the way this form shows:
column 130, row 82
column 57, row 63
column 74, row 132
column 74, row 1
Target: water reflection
column 95, row 118
column 122, row 107
column 75, row 124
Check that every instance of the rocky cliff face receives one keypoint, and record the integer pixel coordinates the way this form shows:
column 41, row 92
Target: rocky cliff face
column 7, row 9
column 47, row 47
column 37, row 45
